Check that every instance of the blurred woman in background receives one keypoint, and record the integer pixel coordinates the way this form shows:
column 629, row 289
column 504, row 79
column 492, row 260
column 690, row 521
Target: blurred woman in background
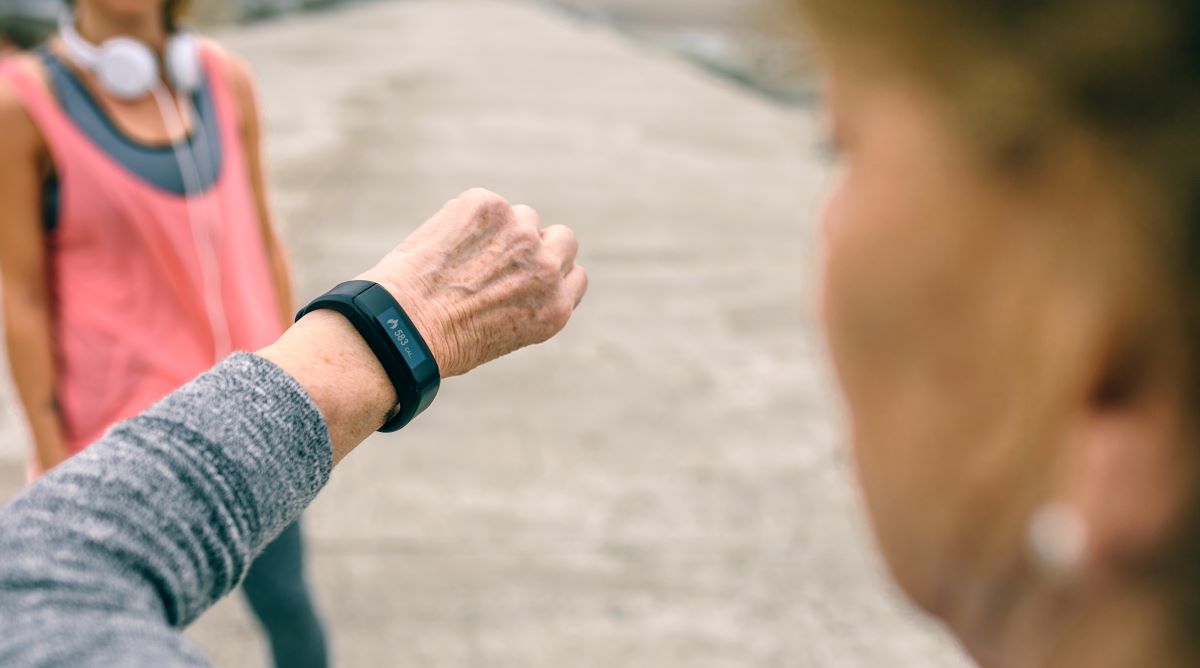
column 136, row 244
column 1013, row 254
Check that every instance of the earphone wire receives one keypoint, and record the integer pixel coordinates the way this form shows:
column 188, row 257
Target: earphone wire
column 201, row 232
column 202, row 157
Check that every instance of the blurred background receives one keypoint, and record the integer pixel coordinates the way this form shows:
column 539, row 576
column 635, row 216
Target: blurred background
column 664, row 485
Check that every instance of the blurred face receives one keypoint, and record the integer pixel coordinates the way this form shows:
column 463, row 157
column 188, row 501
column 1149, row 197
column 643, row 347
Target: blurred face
column 944, row 295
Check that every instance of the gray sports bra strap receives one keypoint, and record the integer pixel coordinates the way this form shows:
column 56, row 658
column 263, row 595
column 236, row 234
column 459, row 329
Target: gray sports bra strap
column 156, row 165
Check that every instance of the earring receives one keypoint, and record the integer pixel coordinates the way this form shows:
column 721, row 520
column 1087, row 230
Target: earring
column 1058, row 539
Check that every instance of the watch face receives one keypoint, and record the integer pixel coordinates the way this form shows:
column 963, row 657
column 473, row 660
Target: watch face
column 402, row 337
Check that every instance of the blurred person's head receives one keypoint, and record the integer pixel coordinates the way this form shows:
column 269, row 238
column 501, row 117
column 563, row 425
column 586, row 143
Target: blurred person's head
column 1013, row 249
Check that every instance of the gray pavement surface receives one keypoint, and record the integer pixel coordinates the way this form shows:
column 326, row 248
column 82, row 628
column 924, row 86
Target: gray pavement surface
column 741, row 40
column 665, row 485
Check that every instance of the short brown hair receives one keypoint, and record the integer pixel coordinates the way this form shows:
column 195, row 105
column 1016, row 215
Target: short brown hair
column 1129, row 70
column 1126, row 72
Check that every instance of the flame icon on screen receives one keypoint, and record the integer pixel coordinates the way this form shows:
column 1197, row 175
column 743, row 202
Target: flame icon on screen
column 393, row 323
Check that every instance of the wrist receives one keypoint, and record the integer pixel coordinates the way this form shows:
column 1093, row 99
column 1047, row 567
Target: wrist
column 335, row 366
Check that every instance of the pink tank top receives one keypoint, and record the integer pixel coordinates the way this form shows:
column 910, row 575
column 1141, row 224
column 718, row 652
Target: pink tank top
column 132, row 310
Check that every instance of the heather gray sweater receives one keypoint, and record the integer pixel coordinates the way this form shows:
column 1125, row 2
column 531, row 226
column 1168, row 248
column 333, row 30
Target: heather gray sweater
column 104, row 560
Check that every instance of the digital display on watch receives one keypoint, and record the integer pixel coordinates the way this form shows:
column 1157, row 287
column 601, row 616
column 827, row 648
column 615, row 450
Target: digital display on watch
column 402, row 337
column 386, row 329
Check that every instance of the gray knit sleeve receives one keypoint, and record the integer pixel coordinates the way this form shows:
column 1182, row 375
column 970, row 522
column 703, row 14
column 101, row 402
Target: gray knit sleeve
column 105, row 558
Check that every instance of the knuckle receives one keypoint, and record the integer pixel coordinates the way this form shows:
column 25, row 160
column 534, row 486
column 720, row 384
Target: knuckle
column 495, row 211
column 488, row 206
column 477, row 194
column 526, row 239
column 492, row 201
column 548, row 269
column 524, row 210
column 530, row 217
column 530, row 233
column 565, row 232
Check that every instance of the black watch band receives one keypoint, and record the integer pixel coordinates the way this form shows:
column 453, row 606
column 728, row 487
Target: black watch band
column 393, row 338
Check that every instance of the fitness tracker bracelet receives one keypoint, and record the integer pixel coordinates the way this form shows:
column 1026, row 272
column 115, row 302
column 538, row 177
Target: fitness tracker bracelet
column 393, row 338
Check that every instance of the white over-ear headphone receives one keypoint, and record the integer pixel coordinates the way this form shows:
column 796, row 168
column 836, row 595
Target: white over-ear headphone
column 127, row 68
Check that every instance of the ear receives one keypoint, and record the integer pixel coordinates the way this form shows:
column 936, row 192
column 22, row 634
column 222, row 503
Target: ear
column 1127, row 471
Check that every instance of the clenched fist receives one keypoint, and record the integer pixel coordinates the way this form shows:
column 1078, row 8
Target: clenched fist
column 482, row 278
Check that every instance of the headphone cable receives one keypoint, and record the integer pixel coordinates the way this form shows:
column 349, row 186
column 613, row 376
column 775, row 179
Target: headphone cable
column 202, row 236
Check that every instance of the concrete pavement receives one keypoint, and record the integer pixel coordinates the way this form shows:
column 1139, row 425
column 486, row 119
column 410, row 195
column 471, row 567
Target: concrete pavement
column 662, row 486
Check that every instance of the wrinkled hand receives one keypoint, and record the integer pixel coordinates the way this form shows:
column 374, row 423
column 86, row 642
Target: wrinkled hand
column 482, row 278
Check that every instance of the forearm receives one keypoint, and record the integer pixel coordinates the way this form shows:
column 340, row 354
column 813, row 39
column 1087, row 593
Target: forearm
column 248, row 443
column 341, row 375
column 181, row 498
column 30, row 344
column 152, row 524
